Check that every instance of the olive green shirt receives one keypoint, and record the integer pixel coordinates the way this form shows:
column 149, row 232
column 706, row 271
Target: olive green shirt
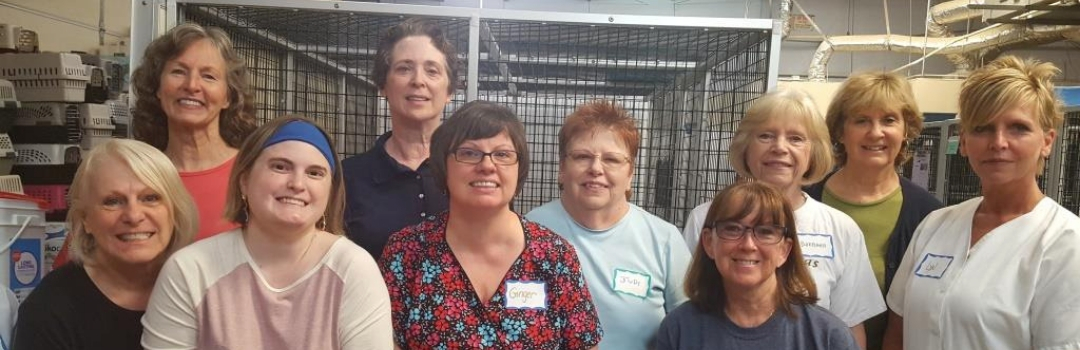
column 876, row 220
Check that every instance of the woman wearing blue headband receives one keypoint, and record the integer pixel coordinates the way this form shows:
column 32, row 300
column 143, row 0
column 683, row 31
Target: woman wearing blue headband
column 286, row 279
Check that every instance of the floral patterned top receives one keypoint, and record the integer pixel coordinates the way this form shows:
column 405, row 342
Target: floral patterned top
column 542, row 303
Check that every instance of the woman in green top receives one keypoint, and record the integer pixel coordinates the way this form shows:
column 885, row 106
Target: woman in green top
column 871, row 120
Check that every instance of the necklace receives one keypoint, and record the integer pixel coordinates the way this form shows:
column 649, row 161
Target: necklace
column 309, row 244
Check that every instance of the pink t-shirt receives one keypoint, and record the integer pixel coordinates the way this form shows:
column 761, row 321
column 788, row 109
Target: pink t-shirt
column 212, row 295
column 208, row 189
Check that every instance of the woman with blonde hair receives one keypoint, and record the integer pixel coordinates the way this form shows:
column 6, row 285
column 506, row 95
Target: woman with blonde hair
column 1000, row 271
column 287, row 278
column 782, row 141
column 748, row 284
column 129, row 212
column 872, row 119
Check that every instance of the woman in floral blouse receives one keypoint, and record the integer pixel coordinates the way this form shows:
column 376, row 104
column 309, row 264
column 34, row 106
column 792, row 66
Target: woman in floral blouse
column 479, row 275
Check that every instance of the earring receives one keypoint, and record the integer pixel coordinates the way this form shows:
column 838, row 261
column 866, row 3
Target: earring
column 321, row 224
column 247, row 213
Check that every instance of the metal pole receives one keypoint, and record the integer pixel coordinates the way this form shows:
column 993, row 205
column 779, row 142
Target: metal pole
column 290, row 83
column 471, row 82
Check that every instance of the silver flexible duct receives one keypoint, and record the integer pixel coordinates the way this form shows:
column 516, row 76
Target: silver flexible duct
column 937, row 26
column 985, row 39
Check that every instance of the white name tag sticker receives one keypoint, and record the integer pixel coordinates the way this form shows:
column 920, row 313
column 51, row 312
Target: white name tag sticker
column 817, row 245
column 526, row 295
column 933, row 265
column 631, row 282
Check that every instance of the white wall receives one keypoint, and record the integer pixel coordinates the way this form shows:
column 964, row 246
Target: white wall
column 56, row 35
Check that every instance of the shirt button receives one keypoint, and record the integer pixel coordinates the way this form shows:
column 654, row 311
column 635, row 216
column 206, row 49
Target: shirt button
column 423, row 214
column 418, row 177
column 421, row 195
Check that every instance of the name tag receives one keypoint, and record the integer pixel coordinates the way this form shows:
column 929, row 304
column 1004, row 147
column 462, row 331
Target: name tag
column 933, row 265
column 631, row 282
column 526, row 295
column 817, row 245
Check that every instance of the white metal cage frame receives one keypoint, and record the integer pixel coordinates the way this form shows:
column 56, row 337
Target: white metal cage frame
column 687, row 81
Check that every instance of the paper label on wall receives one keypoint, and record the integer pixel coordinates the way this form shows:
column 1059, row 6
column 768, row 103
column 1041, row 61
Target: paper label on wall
column 920, row 170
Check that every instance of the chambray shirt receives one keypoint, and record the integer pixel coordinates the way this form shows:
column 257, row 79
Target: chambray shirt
column 382, row 196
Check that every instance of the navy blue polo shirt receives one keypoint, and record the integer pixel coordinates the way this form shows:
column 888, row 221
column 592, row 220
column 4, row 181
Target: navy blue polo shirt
column 382, row 196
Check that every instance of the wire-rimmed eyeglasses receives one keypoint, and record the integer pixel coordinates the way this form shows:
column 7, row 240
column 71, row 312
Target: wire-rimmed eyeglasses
column 609, row 160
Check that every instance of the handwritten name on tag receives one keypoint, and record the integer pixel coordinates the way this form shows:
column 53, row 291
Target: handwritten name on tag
column 631, row 282
column 933, row 265
column 526, row 295
column 817, row 245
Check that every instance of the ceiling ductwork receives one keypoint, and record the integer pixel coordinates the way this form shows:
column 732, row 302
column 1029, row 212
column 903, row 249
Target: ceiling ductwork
column 961, row 51
column 993, row 37
column 937, row 26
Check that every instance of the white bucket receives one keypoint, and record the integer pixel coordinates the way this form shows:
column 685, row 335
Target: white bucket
column 22, row 238
column 55, row 233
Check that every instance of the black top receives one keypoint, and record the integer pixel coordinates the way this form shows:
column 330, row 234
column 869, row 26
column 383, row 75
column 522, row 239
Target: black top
column 917, row 204
column 382, row 196
column 67, row 312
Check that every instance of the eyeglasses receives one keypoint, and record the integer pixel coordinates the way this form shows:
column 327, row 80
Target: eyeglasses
column 474, row 156
column 609, row 160
column 764, row 234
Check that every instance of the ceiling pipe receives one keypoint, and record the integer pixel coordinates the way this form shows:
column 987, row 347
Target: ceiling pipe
column 937, row 26
column 785, row 18
column 989, row 38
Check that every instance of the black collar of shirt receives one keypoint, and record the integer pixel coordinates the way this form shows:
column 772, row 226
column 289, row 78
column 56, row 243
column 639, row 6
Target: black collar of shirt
column 390, row 168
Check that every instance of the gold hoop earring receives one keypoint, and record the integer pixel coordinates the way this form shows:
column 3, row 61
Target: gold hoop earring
column 321, row 224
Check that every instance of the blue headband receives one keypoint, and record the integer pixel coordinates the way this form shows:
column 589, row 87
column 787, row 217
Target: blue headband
column 303, row 131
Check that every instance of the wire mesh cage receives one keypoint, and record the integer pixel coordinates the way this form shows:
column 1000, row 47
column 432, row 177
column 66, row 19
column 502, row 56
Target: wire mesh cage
column 316, row 63
column 1068, row 194
column 687, row 86
column 950, row 178
column 663, row 76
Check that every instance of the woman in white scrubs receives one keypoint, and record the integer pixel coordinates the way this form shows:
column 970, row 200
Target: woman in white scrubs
column 1000, row 271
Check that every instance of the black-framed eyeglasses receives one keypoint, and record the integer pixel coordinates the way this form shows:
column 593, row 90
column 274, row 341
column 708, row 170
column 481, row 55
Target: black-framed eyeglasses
column 764, row 234
column 475, row 156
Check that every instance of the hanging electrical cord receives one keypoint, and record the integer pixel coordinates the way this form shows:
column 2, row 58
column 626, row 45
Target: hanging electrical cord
column 926, row 39
column 62, row 19
column 888, row 28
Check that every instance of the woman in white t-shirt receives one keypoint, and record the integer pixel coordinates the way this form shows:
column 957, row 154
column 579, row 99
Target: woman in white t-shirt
column 782, row 141
column 1000, row 271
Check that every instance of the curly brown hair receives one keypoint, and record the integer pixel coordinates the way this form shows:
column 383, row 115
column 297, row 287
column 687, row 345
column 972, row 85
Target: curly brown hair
column 149, row 121
column 415, row 27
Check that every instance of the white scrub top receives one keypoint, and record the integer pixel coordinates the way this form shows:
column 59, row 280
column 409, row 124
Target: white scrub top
column 1017, row 288
column 835, row 252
